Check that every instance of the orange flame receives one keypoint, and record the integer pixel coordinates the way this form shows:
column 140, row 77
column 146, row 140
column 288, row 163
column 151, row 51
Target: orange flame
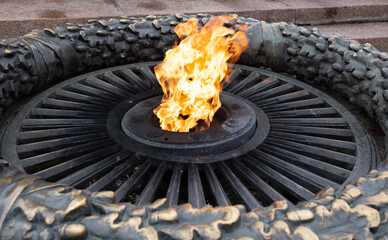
column 192, row 73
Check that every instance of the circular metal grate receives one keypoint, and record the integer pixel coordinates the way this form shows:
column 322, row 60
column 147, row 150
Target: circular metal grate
column 62, row 135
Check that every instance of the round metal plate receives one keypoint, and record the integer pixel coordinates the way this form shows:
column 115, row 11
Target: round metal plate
column 236, row 135
column 63, row 135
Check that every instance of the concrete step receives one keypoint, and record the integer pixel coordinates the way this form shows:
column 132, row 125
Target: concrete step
column 375, row 33
column 21, row 16
column 18, row 17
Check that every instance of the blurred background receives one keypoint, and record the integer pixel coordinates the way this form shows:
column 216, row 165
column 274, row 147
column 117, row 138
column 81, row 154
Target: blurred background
column 365, row 21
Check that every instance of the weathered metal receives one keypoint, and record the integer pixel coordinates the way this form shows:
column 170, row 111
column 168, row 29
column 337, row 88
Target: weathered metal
column 98, row 131
column 33, row 208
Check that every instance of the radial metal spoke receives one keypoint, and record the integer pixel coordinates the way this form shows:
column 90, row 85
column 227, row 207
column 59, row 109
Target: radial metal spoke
column 149, row 191
column 314, row 102
column 64, row 104
column 77, row 162
column 311, row 162
column 311, row 122
column 282, row 89
column 173, row 188
column 232, row 78
column 132, row 181
column 98, row 83
column 59, row 123
column 296, row 173
column 74, row 140
column 113, row 79
column 87, row 173
column 147, row 73
column 115, row 174
column 254, row 76
column 58, row 113
column 257, row 182
column 196, row 195
column 282, row 181
column 77, row 97
column 294, row 96
column 55, row 133
column 321, row 142
column 216, row 187
column 238, row 187
column 132, row 77
column 264, row 85
column 320, row 152
column 91, row 91
column 329, row 132
column 64, row 153
column 315, row 112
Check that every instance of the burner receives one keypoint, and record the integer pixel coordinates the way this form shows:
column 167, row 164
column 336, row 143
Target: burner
column 238, row 127
column 273, row 138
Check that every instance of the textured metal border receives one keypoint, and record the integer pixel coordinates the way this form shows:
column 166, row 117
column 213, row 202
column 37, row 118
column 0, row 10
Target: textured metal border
column 34, row 209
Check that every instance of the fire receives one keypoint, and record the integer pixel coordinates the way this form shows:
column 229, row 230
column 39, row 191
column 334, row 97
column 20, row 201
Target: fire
column 192, row 73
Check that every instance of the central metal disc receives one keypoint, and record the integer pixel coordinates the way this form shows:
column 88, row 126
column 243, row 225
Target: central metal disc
column 238, row 127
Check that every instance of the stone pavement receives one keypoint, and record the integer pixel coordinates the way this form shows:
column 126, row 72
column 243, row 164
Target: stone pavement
column 366, row 21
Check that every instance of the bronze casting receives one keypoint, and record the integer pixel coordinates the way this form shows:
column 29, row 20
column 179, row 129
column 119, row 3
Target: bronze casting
column 31, row 208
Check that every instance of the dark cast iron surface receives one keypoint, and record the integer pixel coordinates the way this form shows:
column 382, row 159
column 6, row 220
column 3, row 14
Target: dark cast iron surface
column 89, row 133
